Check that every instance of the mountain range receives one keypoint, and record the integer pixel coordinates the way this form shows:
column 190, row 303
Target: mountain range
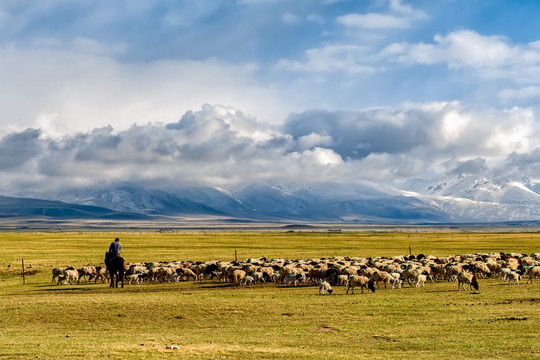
column 453, row 199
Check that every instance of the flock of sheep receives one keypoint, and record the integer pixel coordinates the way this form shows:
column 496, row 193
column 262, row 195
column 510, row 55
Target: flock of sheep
column 352, row 272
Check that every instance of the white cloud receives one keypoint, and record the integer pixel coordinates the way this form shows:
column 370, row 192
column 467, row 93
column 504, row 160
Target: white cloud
column 401, row 16
column 66, row 91
column 490, row 56
column 373, row 21
column 348, row 58
column 220, row 145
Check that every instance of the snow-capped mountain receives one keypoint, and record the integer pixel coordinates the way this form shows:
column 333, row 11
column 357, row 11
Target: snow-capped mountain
column 452, row 199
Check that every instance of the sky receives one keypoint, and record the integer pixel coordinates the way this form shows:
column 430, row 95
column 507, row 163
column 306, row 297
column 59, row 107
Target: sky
column 168, row 93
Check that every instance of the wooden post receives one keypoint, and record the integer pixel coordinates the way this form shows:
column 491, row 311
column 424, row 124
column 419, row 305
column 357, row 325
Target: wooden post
column 23, row 276
column 235, row 256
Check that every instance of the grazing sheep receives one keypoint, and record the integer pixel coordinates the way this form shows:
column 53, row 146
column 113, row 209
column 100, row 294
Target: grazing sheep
column 466, row 277
column 533, row 272
column 361, row 281
column 238, row 275
column 293, row 279
column 246, row 280
column 325, row 288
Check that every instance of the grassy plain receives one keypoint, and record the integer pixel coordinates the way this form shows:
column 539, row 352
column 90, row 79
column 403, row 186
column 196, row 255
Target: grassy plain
column 208, row 320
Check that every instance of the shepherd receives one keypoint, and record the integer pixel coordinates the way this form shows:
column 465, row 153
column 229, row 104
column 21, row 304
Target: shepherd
column 115, row 247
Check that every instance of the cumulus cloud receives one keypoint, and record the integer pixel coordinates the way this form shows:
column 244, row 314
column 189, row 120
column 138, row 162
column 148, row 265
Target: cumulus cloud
column 221, row 145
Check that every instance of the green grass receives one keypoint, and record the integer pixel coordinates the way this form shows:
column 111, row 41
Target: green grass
column 208, row 320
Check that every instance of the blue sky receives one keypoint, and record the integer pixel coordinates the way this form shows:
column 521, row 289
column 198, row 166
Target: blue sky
column 393, row 88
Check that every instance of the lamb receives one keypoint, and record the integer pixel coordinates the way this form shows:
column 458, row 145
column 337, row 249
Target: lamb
column 362, row 281
column 466, row 277
column 325, row 288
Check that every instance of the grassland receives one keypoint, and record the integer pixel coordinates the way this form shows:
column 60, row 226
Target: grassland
column 207, row 320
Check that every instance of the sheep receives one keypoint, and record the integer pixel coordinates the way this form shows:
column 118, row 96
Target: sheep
column 513, row 278
column 293, row 279
column 56, row 273
column 397, row 280
column 532, row 272
column 360, row 280
column 342, row 280
column 421, row 280
column 186, row 273
column 133, row 277
column 504, row 273
column 246, row 280
column 238, row 275
column 70, row 275
column 466, row 277
column 87, row 270
column 101, row 274
column 325, row 288
column 382, row 276
column 258, row 276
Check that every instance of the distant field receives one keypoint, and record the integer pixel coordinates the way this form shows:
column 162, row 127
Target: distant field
column 209, row 320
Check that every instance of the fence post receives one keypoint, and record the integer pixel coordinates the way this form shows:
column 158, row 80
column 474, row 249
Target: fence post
column 235, row 256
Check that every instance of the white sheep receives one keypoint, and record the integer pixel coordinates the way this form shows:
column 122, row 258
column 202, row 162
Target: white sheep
column 133, row 277
column 397, row 281
column 421, row 280
column 325, row 288
column 246, row 280
column 513, row 278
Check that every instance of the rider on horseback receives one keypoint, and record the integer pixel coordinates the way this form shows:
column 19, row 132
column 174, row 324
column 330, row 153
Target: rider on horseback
column 115, row 247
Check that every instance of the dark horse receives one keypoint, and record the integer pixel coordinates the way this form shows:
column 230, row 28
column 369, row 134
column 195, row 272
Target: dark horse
column 115, row 266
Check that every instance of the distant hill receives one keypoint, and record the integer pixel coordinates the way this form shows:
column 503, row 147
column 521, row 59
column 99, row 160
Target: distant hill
column 25, row 207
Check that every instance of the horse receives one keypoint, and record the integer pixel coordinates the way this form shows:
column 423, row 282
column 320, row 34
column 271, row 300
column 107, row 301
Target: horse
column 115, row 266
